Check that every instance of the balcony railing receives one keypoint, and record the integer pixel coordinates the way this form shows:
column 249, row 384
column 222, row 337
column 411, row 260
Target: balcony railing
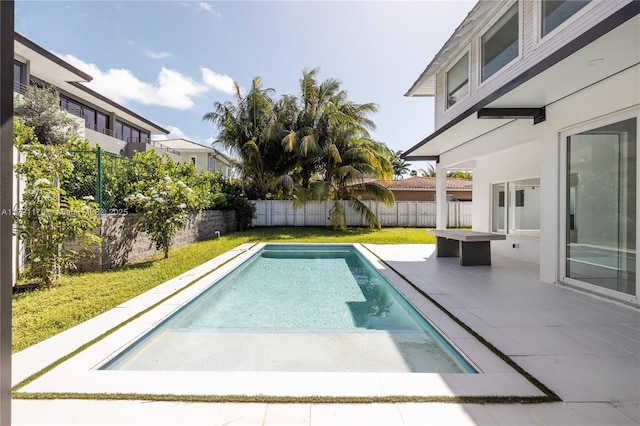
column 19, row 87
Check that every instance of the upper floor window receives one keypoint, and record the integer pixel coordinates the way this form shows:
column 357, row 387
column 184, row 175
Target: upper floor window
column 19, row 77
column 555, row 12
column 501, row 44
column 458, row 80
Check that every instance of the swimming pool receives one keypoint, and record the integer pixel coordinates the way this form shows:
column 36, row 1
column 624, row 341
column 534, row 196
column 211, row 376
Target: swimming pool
column 103, row 338
column 296, row 308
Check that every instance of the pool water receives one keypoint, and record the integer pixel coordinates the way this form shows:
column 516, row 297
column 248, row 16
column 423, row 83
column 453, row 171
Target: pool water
column 296, row 308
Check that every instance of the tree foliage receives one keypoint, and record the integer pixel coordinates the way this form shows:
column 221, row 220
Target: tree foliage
column 311, row 146
column 39, row 109
column 163, row 210
column 48, row 216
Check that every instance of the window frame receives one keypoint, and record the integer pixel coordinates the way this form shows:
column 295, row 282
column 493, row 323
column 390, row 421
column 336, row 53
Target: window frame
column 507, row 201
column 537, row 22
column 485, row 30
column 451, row 65
column 563, row 135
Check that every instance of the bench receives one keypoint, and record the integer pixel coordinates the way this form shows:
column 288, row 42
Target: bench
column 473, row 248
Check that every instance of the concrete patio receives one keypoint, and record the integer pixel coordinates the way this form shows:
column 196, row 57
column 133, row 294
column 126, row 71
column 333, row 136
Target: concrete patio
column 583, row 348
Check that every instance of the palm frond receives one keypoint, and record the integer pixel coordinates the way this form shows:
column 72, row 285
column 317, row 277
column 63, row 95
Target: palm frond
column 369, row 216
column 337, row 216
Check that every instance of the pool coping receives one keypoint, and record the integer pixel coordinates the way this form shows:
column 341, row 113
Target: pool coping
column 78, row 376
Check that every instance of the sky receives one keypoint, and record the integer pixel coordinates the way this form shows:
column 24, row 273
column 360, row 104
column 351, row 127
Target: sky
column 169, row 61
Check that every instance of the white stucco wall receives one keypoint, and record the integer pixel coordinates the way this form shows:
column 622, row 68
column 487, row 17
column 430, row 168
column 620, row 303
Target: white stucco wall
column 520, row 150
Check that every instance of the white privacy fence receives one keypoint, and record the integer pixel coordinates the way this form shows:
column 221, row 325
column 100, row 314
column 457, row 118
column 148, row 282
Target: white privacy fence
column 419, row 214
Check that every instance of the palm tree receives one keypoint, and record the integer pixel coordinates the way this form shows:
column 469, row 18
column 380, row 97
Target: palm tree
column 353, row 163
column 304, row 123
column 244, row 129
column 429, row 172
column 400, row 165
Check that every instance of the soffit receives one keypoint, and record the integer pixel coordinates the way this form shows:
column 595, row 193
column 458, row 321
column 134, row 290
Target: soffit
column 425, row 85
column 570, row 75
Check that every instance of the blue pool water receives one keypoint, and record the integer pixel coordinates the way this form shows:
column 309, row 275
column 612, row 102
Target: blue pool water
column 296, row 308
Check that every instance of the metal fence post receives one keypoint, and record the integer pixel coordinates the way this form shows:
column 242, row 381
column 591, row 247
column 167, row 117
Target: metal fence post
column 99, row 179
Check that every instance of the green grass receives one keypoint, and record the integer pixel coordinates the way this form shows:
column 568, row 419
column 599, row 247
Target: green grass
column 41, row 314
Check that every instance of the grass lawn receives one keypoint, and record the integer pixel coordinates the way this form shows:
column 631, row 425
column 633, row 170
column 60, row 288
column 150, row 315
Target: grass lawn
column 41, row 314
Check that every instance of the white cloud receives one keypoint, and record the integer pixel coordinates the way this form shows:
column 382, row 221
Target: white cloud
column 220, row 82
column 209, row 8
column 157, row 55
column 172, row 89
column 174, row 133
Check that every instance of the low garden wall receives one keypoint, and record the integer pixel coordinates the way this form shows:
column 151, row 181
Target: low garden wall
column 121, row 244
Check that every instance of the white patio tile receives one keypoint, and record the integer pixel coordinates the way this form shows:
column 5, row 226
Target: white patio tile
column 355, row 414
column 288, row 414
column 237, row 414
column 445, row 414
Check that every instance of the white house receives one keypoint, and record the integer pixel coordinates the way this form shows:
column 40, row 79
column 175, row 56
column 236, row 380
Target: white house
column 541, row 99
column 103, row 122
column 203, row 157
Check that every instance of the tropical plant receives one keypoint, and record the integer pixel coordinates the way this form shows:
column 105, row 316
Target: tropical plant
column 163, row 210
column 306, row 124
column 400, row 165
column 243, row 130
column 430, row 171
column 47, row 216
column 39, row 108
column 353, row 165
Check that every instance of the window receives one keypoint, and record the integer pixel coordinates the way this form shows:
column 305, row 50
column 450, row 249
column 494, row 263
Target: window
column 118, row 130
column 89, row 116
column 74, row 108
column 501, row 44
column 458, row 81
column 126, row 133
column 601, row 206
column 498, row 218
column 555, row 12
column 129, row 133
column 19, row 77
column 102, row 122
column 516, row 207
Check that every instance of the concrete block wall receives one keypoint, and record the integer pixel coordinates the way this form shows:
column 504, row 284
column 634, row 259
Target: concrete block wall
column 121, row 244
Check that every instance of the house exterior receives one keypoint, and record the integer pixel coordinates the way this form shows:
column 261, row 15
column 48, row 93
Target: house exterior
column 203, row 157
column 417, row 188
column 541, row 99
column 103, row 122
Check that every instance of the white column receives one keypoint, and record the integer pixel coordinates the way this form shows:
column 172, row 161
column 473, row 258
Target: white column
column 441, row 197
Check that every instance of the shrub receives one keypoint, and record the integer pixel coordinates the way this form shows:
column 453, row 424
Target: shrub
column 163, row 210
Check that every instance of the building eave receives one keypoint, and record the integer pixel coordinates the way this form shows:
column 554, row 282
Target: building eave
column 81, row 75
column 127, row 114
column 626, row 13
column 425, row 85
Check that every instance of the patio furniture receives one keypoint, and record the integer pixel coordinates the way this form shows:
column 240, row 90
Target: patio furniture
column 473, row 248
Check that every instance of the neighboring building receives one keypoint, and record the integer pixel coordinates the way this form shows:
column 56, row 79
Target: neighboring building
column 541, row 99
column 203, row 157
column 103, row 122
column 418, row 188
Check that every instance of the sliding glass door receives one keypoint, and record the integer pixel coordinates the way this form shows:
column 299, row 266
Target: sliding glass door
column 601, row 206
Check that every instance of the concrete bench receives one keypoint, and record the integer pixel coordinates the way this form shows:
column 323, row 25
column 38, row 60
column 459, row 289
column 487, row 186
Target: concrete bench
column 473, row 248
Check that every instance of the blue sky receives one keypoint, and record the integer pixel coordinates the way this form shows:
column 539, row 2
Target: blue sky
column 169, row 61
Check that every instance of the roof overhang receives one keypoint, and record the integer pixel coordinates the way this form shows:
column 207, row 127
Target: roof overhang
column 425, row 85
column 69, row 80
column 540, row 85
